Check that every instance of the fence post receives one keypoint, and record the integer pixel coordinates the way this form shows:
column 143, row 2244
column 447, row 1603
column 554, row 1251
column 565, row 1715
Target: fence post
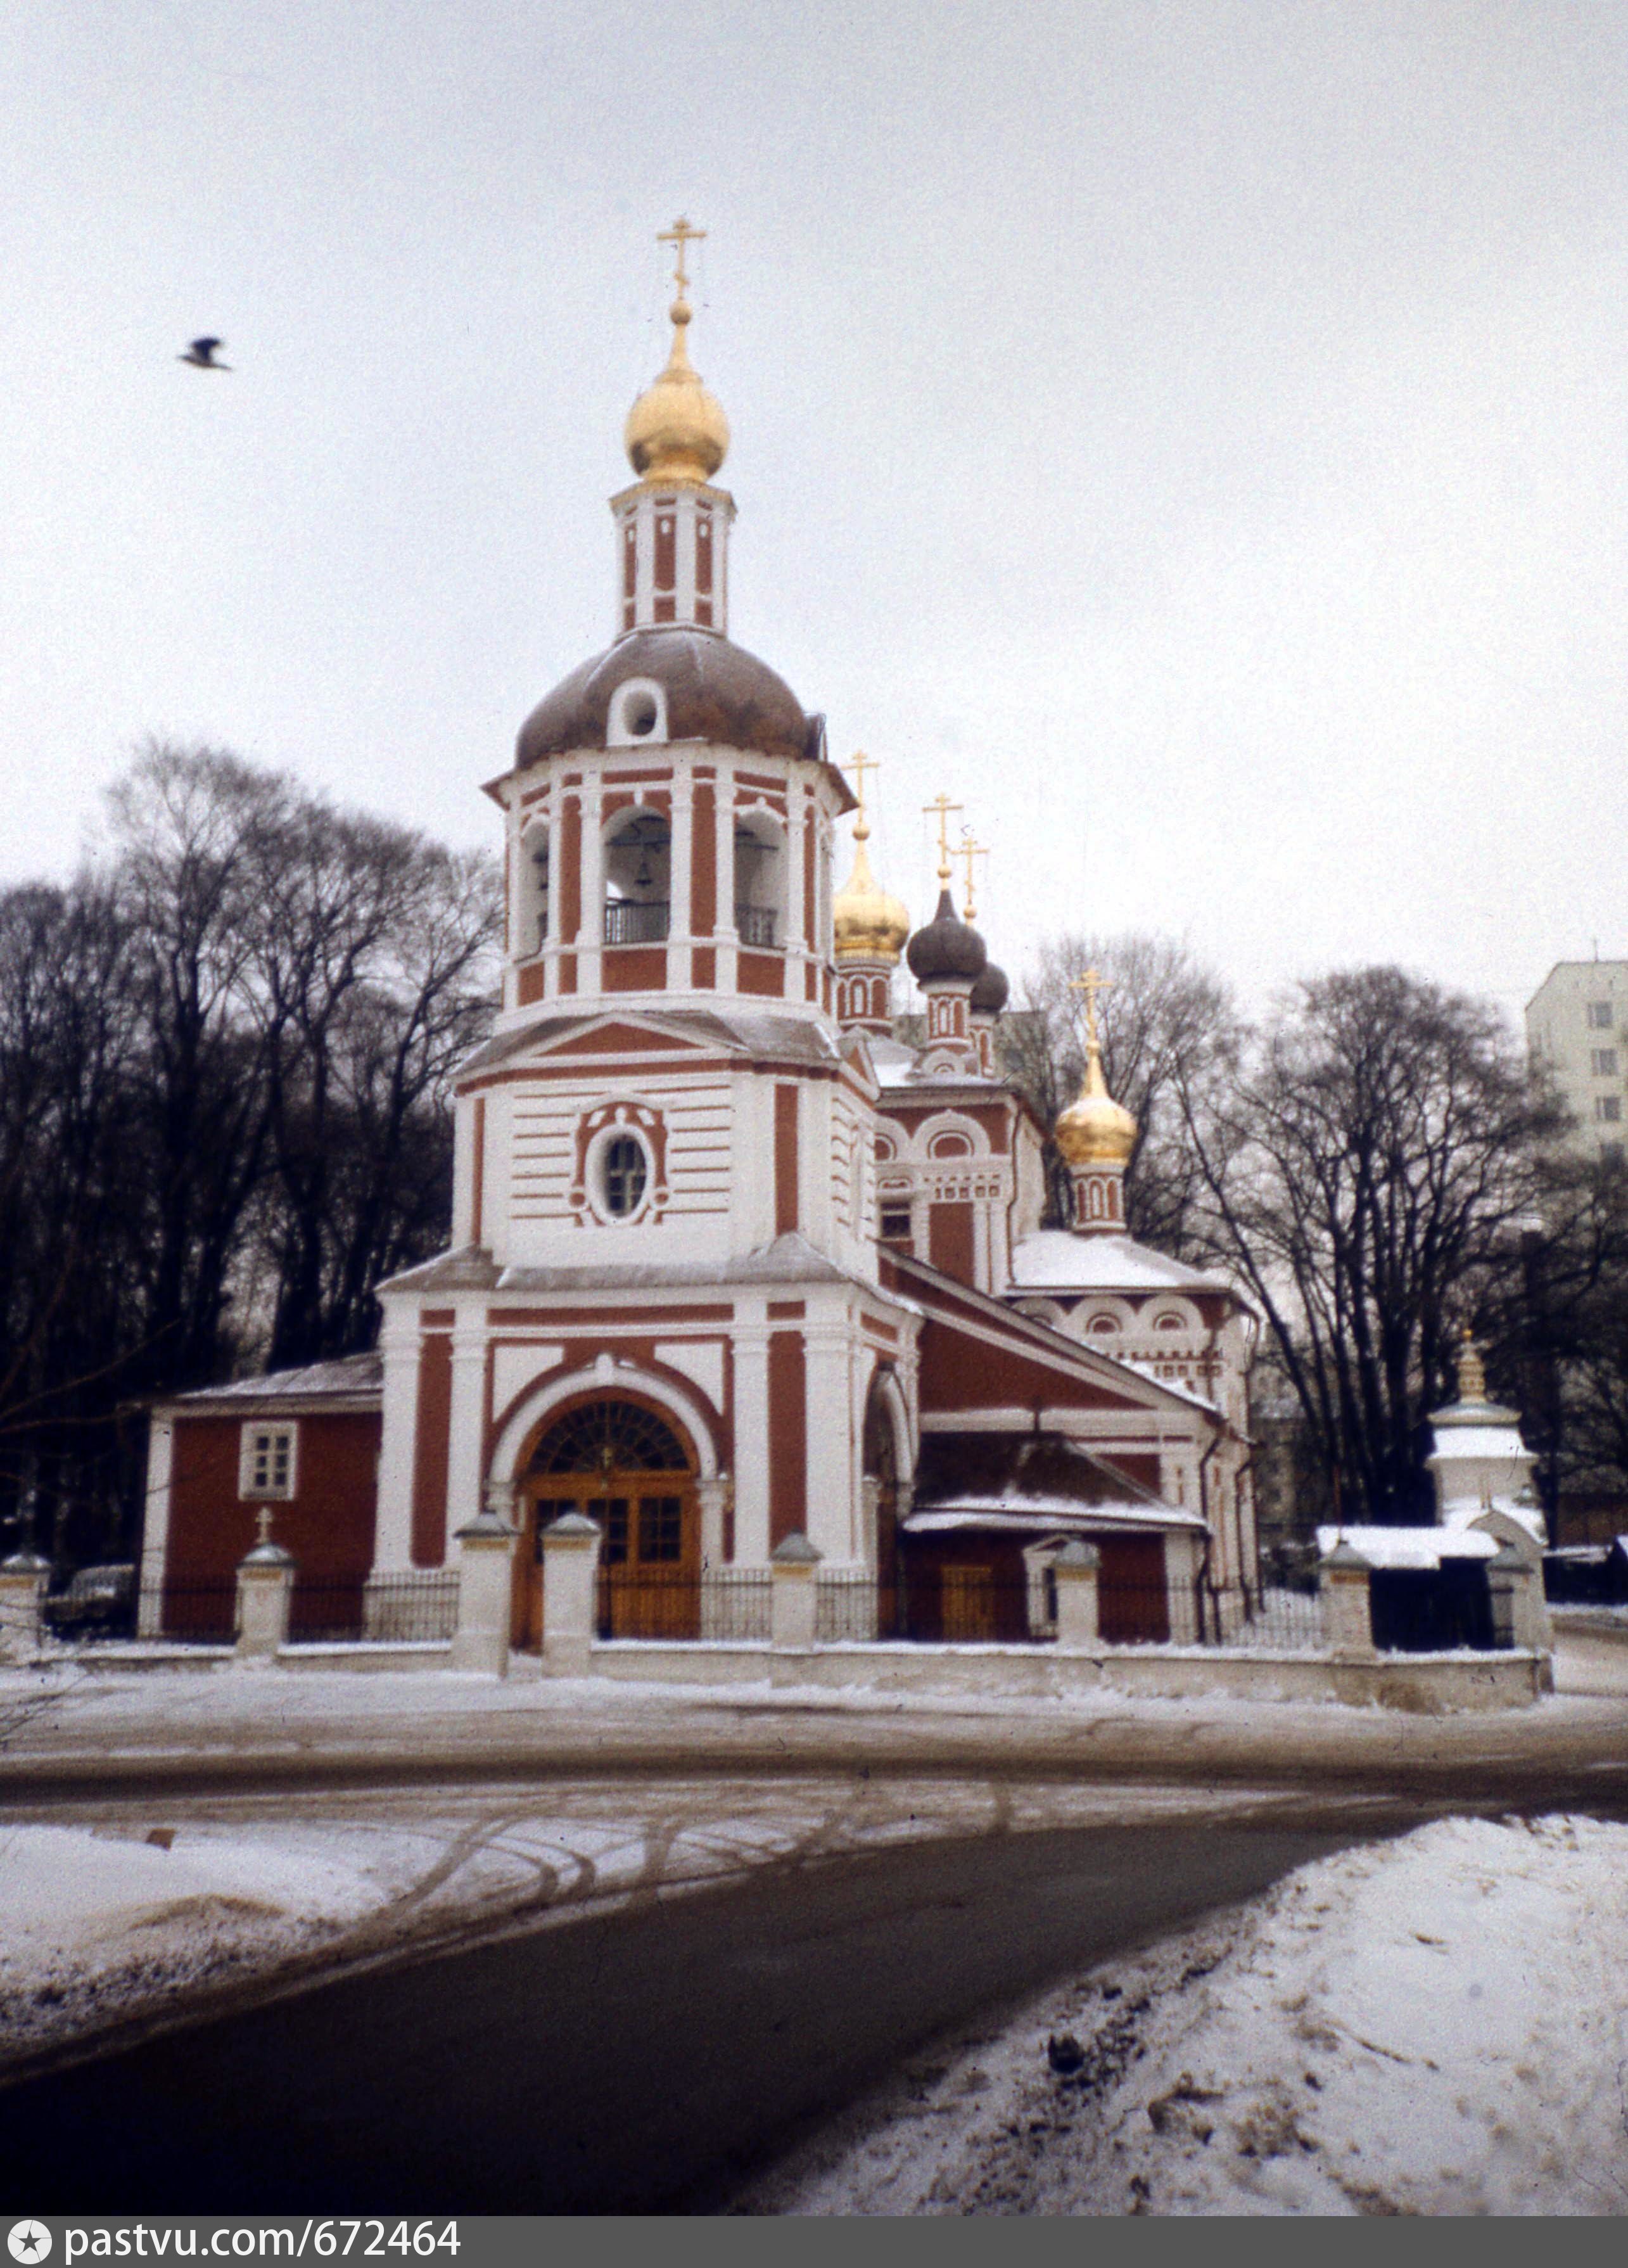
column 571, row 1560
column 793, row 1597
column 265, row 1586
column 1074, row 1571
column 485, row 1550
column 1348, row 1616
column 1516, row 1588
column 23, row 1580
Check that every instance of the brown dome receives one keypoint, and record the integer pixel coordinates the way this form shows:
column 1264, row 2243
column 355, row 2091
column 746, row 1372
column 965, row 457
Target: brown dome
column 947, row 947
column 716, row 691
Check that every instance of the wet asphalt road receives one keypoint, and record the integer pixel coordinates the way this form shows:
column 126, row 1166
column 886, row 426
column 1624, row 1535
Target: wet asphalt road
column 637, row 2061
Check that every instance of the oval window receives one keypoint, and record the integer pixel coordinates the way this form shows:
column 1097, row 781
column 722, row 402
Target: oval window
column 622, row 1174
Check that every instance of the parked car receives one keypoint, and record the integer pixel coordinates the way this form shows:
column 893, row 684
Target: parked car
column 98, row 1601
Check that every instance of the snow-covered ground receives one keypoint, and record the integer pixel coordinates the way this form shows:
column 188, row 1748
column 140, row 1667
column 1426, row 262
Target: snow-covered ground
column 144, row 1916
column 1437, row 2025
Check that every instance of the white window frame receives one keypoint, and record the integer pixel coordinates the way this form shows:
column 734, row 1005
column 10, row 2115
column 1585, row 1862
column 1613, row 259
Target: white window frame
column 249, row 1458
column 1600, row 1016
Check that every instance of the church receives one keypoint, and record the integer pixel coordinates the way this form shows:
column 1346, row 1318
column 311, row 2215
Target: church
column 732, row 1268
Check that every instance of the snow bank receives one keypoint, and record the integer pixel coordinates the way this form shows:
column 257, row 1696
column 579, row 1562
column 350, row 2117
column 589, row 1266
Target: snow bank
column 1436, row 2026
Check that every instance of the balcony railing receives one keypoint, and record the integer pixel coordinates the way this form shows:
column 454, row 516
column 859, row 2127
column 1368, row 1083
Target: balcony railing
column 629, row 922
column 755, row 925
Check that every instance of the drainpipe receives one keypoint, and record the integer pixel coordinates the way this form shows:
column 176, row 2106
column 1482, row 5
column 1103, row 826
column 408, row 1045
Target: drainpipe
column 1204, row 1506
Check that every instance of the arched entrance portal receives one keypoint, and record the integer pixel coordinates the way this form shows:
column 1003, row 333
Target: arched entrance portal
column 625, row 1466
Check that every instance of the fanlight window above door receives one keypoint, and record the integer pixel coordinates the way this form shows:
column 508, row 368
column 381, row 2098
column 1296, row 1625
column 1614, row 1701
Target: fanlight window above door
column 605, row 1437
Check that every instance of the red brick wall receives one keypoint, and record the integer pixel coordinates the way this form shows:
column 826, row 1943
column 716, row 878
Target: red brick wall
column 328, row 1526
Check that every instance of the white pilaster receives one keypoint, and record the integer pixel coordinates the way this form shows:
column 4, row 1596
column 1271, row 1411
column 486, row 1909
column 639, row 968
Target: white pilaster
column 393, row 1533
column 751, row 1353
column 466, row 1492
column 156, row 1524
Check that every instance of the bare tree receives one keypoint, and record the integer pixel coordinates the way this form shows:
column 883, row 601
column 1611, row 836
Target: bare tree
column 1369, row 1176
column 1170, row 1035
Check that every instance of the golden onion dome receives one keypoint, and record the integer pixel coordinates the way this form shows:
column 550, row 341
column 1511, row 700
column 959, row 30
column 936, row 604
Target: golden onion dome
column 1094, row 1130
column 869, row 923
column 677, row 430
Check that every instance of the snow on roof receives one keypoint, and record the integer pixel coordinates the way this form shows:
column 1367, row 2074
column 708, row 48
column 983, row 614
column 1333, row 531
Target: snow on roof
column 1040, row 1518
column 1057, row 1260
column 350, row 1374
column 1464, row 1515
column 1033, row 1478
column 1409, row 1547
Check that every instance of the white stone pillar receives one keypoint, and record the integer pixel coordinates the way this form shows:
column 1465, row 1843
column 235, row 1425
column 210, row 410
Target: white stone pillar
column 1074, row 1571
column 680, row 861
column 1183, row 1551
column 265, row 1589
column 1348, row 1620
column 155, row 1528
column 570, row 1558
column 466, row 1492
column 1520, row 1615
column 713, row 1497
column 830, row 1444
column 794, row 1596
column 590, row 963
column 23, row 1580
column 393, row 1533
column 485, row 1593
column 751, row 1427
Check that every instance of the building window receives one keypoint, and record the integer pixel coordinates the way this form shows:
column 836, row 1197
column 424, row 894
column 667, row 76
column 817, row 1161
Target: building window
column 1599, row 1015
column 895, row 1224
column 1603, row 1062
column 266, row 1461
column 1611, row 1154
column 1609, row 1108
column 623, row 1172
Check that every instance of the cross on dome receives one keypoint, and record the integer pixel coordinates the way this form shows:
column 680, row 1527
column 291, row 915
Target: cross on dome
column 1091, row 984
column 970, row 849
column 943, row 806
column 681, row 236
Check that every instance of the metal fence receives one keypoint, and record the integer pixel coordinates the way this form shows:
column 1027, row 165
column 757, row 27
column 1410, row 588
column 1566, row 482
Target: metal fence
column 755, row 925
column 736, row 1602
column 630, row 921
column 1277, row 1620
column 418, row 1607
column 177, row 1614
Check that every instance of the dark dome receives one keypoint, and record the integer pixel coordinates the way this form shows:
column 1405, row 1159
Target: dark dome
column 946, row 947
column 716, row 691
column 991, row 992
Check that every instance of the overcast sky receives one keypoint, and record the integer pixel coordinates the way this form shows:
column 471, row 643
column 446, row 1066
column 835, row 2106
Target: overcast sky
column 1191, row 434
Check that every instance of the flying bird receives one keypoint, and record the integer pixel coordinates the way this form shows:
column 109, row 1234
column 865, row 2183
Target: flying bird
column 200, row 355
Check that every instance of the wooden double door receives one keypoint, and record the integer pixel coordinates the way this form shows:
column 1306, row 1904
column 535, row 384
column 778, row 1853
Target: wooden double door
column 621, row 1465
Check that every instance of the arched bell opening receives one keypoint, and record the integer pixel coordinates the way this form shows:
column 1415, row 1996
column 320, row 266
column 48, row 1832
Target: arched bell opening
column 638, row 879
column 625, row 1464
column 531, row 927
column 759, row 881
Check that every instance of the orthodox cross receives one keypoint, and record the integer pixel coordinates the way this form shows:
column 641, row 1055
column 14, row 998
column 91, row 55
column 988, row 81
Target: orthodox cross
column 859, row 764
column 969, row 851
column 1090, row 984
column 680, row 235
column 943, row 806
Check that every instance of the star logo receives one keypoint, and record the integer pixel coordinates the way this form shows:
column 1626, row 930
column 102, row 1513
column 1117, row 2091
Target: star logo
column 29, row 2241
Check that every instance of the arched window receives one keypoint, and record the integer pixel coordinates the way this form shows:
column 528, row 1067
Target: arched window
column 638, row 879
column 610, row 1436
column 623, row 1171
column 760, row 880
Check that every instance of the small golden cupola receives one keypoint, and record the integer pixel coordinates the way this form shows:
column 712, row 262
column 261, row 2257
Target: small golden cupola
column 869, row 927
column 676, row 431
column 672, row 524
column 1095, row 1134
